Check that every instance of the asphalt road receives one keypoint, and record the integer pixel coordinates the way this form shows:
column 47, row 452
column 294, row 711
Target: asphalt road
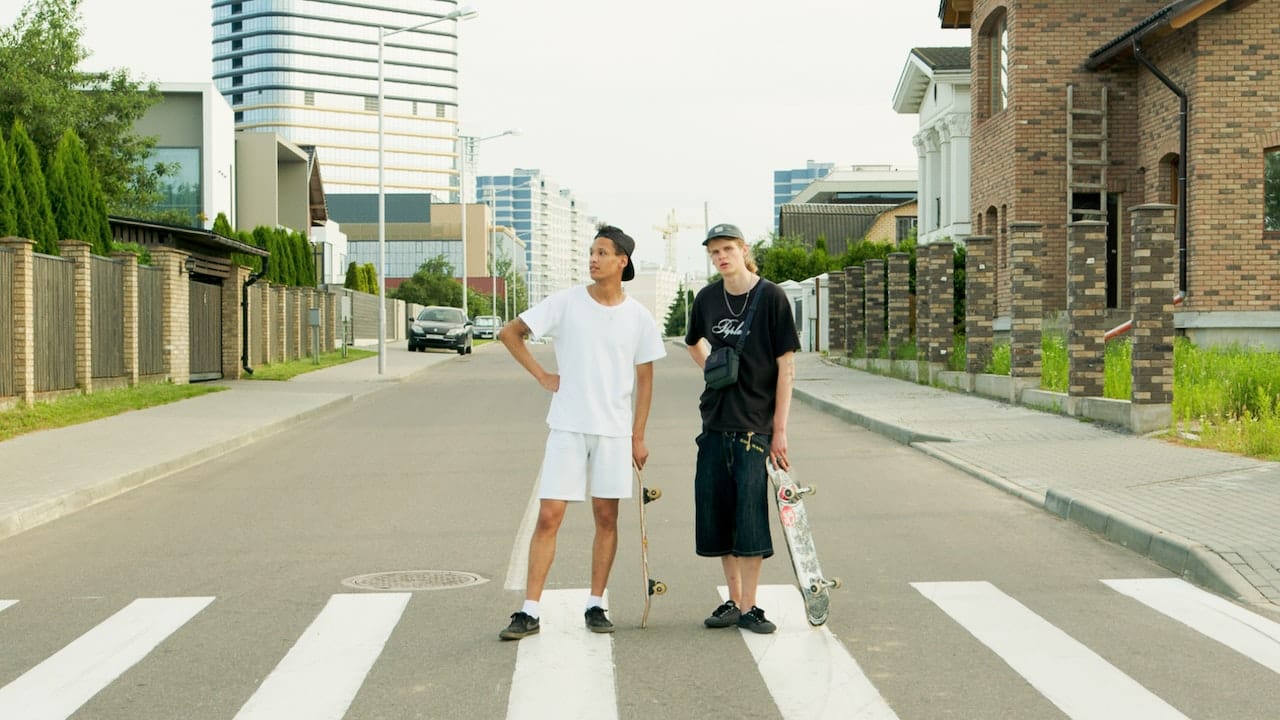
column 958, row 601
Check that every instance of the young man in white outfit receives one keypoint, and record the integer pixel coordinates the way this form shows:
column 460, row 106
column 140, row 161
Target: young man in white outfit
column 605, row 344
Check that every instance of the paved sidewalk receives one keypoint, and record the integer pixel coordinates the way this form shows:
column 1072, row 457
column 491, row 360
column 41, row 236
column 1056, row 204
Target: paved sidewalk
column 1211, row 517
column 46, row 475
column 1208, row 516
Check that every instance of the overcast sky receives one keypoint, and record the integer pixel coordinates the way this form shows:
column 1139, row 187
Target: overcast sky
column 640, row 108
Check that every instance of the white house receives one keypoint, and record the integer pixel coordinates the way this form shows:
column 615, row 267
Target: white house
column 935, row 85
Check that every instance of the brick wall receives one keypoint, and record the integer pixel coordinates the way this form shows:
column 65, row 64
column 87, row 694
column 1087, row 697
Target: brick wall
column 856, row 322
column 980, row 301
column 1086, row 308
column 1154, row 280
column 899, row 298
column 875, row 306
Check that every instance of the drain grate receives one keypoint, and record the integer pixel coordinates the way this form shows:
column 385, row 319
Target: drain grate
column 415, row 580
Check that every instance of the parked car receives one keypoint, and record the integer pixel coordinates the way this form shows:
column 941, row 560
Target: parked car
column 487, row 326
column 441, row 327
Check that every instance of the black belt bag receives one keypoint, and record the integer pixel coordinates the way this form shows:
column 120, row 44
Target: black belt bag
column 721, row 368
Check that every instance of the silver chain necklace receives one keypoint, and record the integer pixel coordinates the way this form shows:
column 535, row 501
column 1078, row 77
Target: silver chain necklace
column 745, row 302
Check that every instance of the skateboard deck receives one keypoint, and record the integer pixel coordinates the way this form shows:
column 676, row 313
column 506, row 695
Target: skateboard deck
column 652, row 587
column 804, row 556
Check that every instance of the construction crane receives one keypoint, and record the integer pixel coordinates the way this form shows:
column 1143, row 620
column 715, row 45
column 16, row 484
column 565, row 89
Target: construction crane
column 669, row 232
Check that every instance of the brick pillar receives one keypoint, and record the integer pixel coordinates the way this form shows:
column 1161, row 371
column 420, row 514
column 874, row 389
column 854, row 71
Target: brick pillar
column 1086, row 307
column 78, row 252
column 1027, row 298
column 233, row 325
column 262, row 323
column 899, row 303
column 979, row 301
column 279, row 314
column 1154, row 270
column 855, row 305
column 24, row 318
column 297, row 333
column 175, row 299
column 875, row 307
column 941, row 290
column 837, row 311
column 129, row 310
column 331, row 321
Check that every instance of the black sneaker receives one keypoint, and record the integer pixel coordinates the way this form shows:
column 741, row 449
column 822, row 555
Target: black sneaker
column 596, row 621
column 724, row 616
column 754, row 621
column 522, row 625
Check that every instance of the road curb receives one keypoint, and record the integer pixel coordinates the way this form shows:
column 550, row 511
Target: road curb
column 54, row 508
column 1179, row 555
column 1185, row 558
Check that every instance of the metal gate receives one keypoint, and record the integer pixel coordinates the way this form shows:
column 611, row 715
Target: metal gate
column 206, row 330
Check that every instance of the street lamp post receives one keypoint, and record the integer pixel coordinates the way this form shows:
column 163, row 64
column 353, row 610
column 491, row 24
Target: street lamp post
column 467, row 151
column 462, row 13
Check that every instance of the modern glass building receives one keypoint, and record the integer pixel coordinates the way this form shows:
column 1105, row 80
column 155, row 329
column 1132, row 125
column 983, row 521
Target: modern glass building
column 307, row 70
column 555, row 227
column 788, row 183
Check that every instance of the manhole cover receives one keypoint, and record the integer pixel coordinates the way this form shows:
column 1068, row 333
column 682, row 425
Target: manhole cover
column 414, row 580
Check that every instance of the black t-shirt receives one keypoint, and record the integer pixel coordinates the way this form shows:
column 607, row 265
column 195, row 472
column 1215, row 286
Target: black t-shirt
column 748, row 405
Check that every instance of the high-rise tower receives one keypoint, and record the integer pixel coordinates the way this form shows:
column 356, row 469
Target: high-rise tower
column 307, row 70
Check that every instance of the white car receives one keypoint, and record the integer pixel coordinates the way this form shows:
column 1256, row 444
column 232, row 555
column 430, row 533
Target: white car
column 487, row 326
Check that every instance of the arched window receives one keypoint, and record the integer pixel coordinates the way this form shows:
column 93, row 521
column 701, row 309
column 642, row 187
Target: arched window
column 1271, row 190
column 999, row 53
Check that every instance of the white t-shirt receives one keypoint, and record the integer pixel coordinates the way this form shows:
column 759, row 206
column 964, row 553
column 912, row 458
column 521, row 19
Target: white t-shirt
column 597, row 348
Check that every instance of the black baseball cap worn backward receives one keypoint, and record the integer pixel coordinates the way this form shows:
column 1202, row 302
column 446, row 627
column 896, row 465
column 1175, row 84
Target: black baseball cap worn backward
column 723, row 230
column 625, row 244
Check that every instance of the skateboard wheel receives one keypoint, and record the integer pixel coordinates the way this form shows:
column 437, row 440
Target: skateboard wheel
column 809, row 490
column 657, row 587
column 651, row 494
column 787, row 494
column 836, row 582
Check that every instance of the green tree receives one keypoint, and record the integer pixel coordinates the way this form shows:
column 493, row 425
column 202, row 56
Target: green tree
column 39, row 213
column 352, row 281
column 41, row 83
column 372, row 283
column 432, row 284
column 8, row 205
column 677, row 323
column 79, row 208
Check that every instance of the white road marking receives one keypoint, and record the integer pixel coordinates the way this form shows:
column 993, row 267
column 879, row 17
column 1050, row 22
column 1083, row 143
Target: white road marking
column 565, row 671
column 807, row 670
column 1080, row 682
column 321, row 674
column 7, row 603
column 518, row 566
column 1247, row 633
column 55, row 688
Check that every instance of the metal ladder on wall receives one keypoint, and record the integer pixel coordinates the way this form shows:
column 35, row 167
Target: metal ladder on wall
column 1086, row 156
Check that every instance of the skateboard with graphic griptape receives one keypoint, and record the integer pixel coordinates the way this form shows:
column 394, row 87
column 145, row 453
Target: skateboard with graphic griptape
column 789, row 498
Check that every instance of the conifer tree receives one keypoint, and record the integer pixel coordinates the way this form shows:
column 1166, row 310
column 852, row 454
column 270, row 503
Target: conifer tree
column 41, row 225
column 78, row 206
column 8, row 209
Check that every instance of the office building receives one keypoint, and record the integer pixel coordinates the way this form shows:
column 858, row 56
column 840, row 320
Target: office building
column 307, row 70
column 788, row 183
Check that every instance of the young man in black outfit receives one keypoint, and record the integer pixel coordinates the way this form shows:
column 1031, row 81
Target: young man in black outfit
column 743, row 423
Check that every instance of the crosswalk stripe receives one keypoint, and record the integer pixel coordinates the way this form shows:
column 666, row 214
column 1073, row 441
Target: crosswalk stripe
column 322, row 672
column 55, row 688
column 1080, row 682
column 807, row 670
column 7, row 603
column 565, row 670
column 1247, row 633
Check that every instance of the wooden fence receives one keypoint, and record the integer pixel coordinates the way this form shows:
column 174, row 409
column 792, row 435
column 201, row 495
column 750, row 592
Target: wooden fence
column 150, row 321
column 55, row 323
column 106, row 320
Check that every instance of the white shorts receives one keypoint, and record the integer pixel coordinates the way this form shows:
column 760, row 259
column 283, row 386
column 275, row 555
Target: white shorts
column 575, row 463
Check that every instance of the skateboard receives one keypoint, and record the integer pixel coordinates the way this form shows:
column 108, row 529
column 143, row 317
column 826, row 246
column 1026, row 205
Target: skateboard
column 651, row 587
column 804, row 557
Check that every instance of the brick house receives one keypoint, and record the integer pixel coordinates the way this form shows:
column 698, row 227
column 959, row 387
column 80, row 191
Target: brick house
column 1076, row 115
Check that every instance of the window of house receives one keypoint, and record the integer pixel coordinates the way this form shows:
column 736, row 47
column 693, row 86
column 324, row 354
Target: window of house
column 308, row 97
column 1271, row 191
column 1000, row 66
column 905, row 224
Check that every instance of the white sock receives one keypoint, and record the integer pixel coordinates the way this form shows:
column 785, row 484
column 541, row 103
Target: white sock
column 530, row 608
column 595, row 601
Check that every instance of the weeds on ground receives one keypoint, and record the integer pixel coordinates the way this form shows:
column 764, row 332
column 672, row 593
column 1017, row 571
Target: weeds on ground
column 294, row 368
column 1001, row 360
column 1232, row 394
column 76, row 409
